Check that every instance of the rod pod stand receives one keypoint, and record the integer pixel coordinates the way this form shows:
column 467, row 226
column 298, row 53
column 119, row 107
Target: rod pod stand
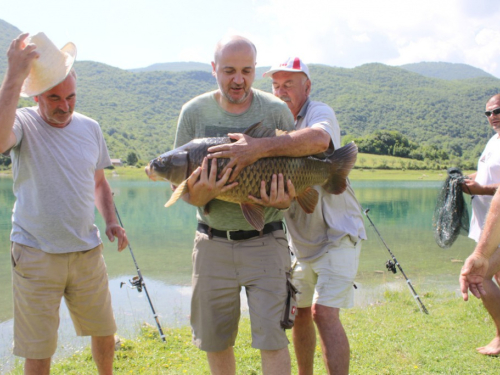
column 413, row 292
column 138, row 281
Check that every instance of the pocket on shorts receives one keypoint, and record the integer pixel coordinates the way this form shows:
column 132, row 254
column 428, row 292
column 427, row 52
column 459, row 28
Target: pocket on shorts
column 280, row 238
column 15, row 254
column 199, row 237
column 282, row 249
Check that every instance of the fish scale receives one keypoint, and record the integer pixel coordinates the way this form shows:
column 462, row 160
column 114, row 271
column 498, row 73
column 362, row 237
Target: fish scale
column 303, row 172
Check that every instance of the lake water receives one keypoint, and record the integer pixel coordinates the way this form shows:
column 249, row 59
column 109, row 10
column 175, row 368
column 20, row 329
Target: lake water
column 161, row 240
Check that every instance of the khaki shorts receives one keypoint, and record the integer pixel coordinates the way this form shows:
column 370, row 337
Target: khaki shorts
column 328, row 280
column 220, row 268
column 40, row 280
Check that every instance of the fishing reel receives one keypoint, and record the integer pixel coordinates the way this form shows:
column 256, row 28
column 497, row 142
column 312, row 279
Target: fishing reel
column 136, row 283
column 391, row 266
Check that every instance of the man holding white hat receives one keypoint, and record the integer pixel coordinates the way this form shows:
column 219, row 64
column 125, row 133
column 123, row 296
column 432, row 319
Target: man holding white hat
column 58, row 157
column 326, row 243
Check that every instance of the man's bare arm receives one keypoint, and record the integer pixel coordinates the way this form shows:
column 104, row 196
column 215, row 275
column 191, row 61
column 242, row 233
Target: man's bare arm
column 490, row 237
column 103, row 198
column 247, row 150
column 20, row 58
column 476, row 265
column 470, row 186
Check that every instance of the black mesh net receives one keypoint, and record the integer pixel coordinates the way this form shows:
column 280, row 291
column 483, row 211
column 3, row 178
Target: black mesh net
column 451, row 216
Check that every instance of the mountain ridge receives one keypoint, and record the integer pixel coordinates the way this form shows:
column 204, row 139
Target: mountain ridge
column 439, row 70
column 138, row 111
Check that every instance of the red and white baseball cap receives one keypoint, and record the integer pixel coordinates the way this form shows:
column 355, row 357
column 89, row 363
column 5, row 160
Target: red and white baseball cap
column 292, row 64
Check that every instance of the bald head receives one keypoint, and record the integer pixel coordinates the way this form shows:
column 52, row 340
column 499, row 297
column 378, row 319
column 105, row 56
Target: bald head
column 234, row 69
column 494, row 98
column 234, row 43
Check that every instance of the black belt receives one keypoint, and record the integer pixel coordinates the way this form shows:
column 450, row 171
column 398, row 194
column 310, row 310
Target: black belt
column 238, row 235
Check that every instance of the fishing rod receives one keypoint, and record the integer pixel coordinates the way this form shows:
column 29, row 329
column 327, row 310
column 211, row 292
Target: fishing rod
column 391, row 266
column 138, row 282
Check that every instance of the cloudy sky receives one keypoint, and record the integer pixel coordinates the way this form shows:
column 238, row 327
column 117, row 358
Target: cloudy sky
column 344, row 33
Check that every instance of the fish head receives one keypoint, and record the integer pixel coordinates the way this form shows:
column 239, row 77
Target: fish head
column 171, row 166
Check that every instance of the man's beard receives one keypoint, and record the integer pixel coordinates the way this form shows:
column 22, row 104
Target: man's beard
column 232, row 100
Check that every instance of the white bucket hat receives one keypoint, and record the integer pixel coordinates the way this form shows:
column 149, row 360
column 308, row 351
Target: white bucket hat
column 292, row 64
column 50, row 68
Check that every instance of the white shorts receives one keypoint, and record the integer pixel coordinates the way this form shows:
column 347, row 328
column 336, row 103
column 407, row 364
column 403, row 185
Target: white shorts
column 329, row 279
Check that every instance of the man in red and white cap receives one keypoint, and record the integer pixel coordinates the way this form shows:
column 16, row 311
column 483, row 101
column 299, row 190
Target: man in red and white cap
column 327, row 242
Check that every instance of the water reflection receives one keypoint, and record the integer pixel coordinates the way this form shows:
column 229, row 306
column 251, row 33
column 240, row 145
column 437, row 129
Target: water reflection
column 162, row 240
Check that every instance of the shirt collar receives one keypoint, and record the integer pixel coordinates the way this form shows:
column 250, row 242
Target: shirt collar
column 303, row 110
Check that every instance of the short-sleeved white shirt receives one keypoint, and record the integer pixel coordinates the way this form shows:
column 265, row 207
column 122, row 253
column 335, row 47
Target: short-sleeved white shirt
column 488, row 172
column 335, row 216
column 54, row 182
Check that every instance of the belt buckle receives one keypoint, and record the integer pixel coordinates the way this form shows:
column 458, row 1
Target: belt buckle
column 228, row 234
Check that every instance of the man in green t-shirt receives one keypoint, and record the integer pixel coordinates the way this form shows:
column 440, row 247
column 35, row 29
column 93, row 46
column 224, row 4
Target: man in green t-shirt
column 228, row 253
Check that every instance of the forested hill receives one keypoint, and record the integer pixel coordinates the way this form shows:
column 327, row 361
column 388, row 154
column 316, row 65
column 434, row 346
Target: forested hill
column 138, row 110
column 190, row 66
column 433, row 111
column 444, row 70
column 176, row 67
column 7, row 34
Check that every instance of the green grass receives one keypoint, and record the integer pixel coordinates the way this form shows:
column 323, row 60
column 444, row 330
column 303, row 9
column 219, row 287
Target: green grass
column 388, row 337
column 399, row 175
column 134, row 173
column 130, row 173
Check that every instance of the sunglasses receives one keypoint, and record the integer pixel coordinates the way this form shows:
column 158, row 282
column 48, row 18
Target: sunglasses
column 494, row 112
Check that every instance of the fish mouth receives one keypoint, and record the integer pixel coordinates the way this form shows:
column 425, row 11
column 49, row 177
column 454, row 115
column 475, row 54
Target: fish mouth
column 150, row 173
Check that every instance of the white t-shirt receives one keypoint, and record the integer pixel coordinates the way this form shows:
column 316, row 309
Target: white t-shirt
column 54, row 170
column 488, row 172
column 335, row 216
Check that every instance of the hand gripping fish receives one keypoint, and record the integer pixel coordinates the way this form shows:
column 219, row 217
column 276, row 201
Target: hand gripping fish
column 177, row 165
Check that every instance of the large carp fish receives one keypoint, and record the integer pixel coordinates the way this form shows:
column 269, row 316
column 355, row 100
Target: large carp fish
column 331, row 173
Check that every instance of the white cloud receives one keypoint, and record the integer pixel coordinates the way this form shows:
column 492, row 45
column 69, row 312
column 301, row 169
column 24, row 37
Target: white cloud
column 347, row 33
column 362, row 38
column 488, row 37
column 354, row 32
column 192, row 54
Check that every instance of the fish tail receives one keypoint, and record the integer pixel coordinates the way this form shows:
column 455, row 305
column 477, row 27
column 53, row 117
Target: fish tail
column 343, row 161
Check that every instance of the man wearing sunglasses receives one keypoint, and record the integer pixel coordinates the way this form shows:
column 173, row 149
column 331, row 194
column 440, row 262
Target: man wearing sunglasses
column 482, row 185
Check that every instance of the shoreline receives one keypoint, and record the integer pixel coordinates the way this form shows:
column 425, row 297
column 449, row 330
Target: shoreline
column 357, row 174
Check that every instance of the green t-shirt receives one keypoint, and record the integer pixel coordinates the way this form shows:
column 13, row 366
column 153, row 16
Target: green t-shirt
column 203, row 117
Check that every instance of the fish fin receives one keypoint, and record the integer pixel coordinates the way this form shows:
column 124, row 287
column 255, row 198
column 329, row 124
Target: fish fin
column 179, row 192
column 280, row 132
column 308, row 200
column 254, row 214
column 343, row 161
column 259, row 131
